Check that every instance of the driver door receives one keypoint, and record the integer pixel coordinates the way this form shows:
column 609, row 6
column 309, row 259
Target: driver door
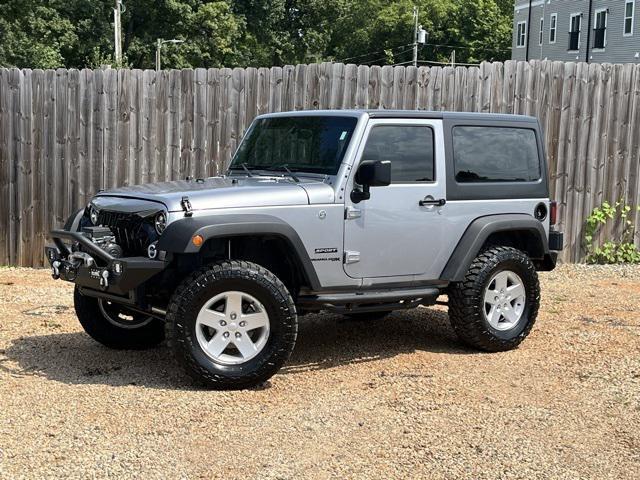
column 400, row 230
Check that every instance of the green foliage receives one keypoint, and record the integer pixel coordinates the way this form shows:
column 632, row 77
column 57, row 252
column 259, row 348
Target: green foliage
column 624, row 251
column 79, row 33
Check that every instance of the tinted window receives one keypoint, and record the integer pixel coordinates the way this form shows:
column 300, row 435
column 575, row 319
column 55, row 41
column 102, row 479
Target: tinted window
column 306, row 144
column 495, row 154
column 409, row 149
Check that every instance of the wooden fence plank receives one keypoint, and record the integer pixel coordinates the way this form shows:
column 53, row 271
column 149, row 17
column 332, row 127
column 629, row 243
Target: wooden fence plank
column 200, row 122
column 5, row 164
column 213, row 120
column 24, row 172
column 175, row 105
column 186, row 124
column 38, row 178
column 123, row 119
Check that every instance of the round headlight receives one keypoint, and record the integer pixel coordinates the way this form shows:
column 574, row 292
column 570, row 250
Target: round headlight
column 160, row 222
column 93, row 215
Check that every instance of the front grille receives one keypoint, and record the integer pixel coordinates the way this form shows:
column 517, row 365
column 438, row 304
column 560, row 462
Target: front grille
column 132, row 233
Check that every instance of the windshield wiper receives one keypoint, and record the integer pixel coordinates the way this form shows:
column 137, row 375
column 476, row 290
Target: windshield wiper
column 244, row 167
column 277, row 168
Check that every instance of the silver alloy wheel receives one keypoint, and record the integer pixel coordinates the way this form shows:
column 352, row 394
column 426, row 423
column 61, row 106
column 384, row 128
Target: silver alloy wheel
column 504, row 300
column 120, row 317
column 232, row 328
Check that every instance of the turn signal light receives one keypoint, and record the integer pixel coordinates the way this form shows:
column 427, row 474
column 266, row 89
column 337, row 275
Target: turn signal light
column 197, row 240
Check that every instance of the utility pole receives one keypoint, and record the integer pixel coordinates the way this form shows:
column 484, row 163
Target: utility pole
column 117, row 26
column 415, row 36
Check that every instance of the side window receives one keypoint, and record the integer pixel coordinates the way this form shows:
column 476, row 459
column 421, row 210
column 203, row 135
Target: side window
column 409, row 149
column 495, row 154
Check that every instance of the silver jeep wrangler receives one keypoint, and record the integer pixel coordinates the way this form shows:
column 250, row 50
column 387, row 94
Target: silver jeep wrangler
column 355, row 212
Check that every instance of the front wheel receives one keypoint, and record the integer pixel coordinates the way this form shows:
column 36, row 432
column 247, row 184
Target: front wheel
column 495, row 306
column 116, row 327
column 232, row 325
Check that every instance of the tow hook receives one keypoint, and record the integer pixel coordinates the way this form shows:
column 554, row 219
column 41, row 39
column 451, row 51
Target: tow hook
column 55, row 269
column 104, row 279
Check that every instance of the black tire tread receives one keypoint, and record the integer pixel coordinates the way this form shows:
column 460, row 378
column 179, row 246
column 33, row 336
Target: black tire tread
column 230, row 269
column 465, row 314
column 109, row 335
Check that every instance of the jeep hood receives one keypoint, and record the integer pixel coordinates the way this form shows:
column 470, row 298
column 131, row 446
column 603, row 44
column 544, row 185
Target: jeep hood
column 228, row 192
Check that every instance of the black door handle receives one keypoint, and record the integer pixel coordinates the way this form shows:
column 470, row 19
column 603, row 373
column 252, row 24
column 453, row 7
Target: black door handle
column 430, row 202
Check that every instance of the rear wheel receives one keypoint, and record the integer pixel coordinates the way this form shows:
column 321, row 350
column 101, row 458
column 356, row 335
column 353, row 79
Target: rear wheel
column 495, row 306
column 116, row 327
column 232, row 325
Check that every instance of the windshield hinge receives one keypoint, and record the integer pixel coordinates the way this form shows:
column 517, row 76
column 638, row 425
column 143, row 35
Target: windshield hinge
column 351, row 257
column 186, row 206
column 351, row 213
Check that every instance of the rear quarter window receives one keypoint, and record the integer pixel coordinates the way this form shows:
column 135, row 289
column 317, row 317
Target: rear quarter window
column 495, row 154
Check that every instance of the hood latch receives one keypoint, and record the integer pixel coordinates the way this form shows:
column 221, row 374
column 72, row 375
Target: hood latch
column 186, row 206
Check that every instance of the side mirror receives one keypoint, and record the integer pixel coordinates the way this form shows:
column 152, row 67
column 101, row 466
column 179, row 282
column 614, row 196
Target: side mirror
column 371, row 174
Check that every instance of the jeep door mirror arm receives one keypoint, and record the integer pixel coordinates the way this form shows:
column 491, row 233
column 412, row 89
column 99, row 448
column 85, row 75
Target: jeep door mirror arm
column 371, row 174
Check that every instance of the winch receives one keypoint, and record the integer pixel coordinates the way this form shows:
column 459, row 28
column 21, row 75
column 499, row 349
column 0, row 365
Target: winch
column 104, row 238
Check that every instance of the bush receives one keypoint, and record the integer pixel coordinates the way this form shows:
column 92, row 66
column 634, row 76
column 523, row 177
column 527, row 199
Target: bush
column 611, row 252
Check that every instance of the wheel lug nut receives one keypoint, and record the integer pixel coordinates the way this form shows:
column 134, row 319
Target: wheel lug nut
column 223, row 323
column 225, row 334
column 243, row 324
column 234, row 316
column 238, row 335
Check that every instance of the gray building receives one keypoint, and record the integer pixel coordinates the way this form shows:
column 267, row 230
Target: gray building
column 577, row 30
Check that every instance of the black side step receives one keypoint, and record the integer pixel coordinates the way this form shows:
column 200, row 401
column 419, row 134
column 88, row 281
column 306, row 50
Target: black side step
column 371, row 300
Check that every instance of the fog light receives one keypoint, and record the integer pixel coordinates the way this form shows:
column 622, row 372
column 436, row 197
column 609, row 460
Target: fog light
column 197, row 240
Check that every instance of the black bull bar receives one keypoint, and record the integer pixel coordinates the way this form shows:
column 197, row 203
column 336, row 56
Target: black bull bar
column 95, row 268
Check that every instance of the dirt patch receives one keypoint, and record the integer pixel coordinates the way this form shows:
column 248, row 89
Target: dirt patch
column 394, row 398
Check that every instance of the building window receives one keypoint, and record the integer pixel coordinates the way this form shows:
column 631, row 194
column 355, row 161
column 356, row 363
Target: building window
column 629, row 13
column 553, row 27
column 541, row 33
column 574, row 31
column 521, row 34
column 600, row 29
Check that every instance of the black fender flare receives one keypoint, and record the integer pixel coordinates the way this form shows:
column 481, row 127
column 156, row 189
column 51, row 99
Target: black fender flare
column 479, row 231
column 177, row 236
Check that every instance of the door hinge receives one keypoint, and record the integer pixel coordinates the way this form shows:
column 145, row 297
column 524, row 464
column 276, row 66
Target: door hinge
column 351, row 257
column 351, row 213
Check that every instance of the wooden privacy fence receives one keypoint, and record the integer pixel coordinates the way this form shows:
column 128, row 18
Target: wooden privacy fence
column 65, row 134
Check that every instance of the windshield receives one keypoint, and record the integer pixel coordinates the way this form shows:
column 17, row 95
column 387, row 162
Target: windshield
column 300, row 144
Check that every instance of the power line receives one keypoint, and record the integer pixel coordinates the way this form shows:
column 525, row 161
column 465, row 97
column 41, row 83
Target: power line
column 464, row 47
column 373, row 53
column 385, row 58
column 449, row 63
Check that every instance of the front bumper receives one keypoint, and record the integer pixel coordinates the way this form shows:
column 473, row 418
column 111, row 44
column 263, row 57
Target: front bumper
column 96, row 269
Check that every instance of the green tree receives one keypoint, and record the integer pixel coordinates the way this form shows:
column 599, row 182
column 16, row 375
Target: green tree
column 79, row 33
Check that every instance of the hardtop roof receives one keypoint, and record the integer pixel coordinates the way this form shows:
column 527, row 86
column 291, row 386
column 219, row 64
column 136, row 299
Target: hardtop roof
column 426, row 114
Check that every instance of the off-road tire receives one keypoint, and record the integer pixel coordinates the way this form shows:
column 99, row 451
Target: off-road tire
column 212, row 280
column 148, row 335
column 466, row 300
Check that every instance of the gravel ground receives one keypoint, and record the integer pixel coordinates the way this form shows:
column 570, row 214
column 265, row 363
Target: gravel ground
column 395, row 398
